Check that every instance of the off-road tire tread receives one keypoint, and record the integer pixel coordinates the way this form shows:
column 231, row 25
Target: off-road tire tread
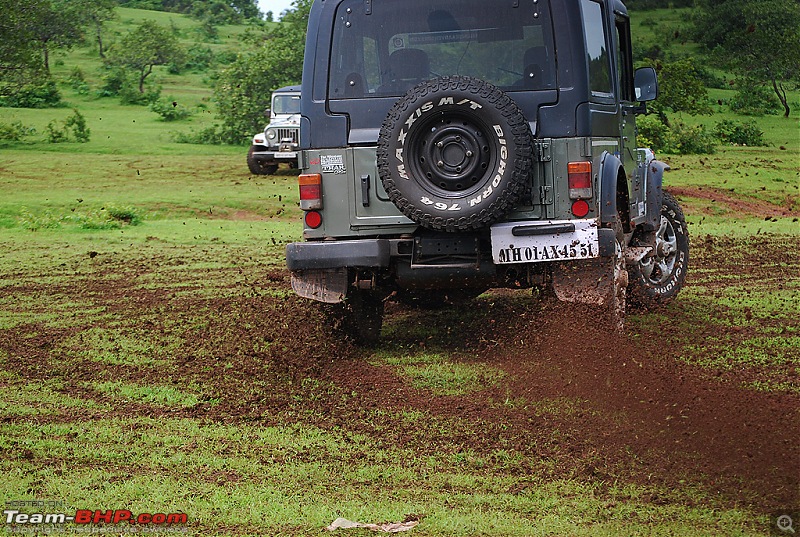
column 512, row 190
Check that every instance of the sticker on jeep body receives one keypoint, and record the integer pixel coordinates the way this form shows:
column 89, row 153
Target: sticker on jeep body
column 332, row 164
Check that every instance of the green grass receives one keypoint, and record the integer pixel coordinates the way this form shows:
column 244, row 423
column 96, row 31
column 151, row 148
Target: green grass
column 155, row 395
column 276, row 474
column 442, row 376
column 260, row 478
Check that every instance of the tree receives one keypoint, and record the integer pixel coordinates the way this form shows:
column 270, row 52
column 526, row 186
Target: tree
column 24, row 81
column 97, row 13
column 18, row 49
column 60, row 24
column 757, row 38
column 244, row 89
column 680, row 89
column 145, row 47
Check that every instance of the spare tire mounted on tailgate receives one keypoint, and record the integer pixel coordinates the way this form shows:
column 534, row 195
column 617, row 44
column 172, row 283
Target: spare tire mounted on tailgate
column 454, row 153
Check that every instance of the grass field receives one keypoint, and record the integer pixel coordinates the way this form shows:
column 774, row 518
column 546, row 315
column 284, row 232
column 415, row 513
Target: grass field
column 155, row 359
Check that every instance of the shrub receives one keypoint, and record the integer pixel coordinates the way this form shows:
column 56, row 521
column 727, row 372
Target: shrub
column 118, row 82
column 14, row 132
column 73, row 128
column 652, row 133
column 77, row 81
column 753, row 99
column 739, row 133
column 679, row 138
column 130, row 94
column 56, row 133
column 77, row 123
column 199, row 58
column 42, row 94
column 127, row 215
column 35, row 222
column 109, row 217
column 226, row 57
column 691, row 139
column 113, row 81
column 170, row 110
column 208, row 136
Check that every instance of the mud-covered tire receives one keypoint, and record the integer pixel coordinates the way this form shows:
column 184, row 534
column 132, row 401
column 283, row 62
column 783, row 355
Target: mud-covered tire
column 256, row 167
column 362, row 316
column 454, row 153
column 657, row 279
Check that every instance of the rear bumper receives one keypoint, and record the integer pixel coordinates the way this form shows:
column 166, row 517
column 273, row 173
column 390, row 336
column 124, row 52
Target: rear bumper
column 372, row 253
column 337, row 254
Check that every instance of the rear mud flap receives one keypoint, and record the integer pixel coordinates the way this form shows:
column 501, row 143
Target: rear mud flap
column 590, row 282
column 601, row 282
column 328, row 285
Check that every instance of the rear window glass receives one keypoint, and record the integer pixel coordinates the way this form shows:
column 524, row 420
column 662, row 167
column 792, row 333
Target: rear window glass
column 392, row 48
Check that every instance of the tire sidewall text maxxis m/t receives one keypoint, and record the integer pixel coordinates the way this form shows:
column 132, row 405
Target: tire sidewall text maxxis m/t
column 455, row 153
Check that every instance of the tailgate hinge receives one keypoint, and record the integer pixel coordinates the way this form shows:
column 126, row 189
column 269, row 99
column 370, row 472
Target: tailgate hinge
column 543, row 151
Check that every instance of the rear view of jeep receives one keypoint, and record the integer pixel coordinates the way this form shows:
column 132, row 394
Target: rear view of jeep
column 453, row 146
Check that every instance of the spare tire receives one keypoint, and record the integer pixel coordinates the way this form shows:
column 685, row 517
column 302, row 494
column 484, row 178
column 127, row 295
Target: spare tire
column 455, row 153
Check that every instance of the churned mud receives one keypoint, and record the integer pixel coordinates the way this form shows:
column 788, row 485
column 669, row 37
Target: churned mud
column 575, row 400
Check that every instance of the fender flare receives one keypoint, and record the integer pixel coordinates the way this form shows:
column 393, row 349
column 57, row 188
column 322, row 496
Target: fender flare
column 610, row 165
column 654, row 177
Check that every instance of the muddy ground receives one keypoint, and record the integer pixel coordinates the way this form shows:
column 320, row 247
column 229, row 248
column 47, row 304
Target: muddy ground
column 646, row 412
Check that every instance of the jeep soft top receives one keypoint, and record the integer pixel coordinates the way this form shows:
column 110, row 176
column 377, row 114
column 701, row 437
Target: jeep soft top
column 450, row 146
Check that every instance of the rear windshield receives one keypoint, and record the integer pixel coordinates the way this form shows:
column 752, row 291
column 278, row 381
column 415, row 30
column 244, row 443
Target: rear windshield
column 394, row 46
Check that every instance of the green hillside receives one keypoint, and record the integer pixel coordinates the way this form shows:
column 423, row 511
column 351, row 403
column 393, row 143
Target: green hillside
column 134, row 129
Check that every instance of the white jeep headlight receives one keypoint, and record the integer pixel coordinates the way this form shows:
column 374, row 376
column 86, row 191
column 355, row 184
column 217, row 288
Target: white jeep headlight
column 271, row 135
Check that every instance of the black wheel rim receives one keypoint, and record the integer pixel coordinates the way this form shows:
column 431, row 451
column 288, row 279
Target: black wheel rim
column 452, row 154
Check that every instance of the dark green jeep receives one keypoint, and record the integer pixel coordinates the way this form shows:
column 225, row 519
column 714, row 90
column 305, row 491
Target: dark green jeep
column 452, row 146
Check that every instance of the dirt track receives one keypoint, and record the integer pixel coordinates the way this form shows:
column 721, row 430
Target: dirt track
column 575, row 402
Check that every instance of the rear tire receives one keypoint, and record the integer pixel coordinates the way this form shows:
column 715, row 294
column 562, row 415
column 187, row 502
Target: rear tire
column 657, row 279
column 362, row 316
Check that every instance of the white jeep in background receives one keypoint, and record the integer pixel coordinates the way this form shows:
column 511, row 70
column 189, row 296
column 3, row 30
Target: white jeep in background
column 281, row 138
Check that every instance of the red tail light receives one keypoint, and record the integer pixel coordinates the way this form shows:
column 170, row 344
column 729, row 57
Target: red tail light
column 310, row 191
column 580, row 179
column 313, row 219
column 580, row 208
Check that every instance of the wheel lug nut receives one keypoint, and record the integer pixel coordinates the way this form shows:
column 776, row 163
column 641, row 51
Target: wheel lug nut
column 440, row 164
column 440, row 144
column 458, row 168
column 458, row 138
column 469, row 153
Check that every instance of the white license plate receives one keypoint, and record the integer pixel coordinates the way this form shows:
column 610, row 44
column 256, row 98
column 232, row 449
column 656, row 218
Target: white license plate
column 535, row 241
column 286, row 154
